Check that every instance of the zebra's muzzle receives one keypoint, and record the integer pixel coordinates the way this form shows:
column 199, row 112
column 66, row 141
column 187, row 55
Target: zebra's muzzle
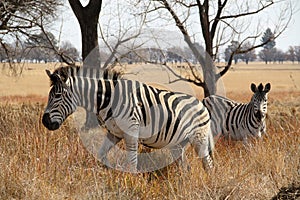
column 259, row 115
column 48, row 123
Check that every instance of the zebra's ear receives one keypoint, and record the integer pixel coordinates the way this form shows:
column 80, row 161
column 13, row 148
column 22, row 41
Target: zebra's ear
column 253, row 88
column 53, row 77
column 48, row 73
column 260, row 87
column 63, row 72
column 267, row 88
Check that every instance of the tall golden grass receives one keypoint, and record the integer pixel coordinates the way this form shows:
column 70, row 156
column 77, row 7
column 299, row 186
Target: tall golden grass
column 39, row 164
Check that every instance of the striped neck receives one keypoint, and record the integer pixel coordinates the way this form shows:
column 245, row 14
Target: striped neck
column 85, row 91
column 253, row 119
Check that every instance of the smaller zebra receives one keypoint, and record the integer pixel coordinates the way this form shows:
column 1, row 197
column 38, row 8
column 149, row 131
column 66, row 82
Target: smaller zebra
column 238, row 121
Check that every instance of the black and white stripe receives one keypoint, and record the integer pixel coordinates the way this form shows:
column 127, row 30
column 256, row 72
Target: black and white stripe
column 237, row 121
column 130, row 110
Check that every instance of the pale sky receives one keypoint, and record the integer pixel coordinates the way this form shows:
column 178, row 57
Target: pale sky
column 71, row 30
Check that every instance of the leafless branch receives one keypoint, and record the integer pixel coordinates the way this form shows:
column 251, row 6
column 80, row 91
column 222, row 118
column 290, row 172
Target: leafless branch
column 197, row 81
column 65, row 58
column 270, row 3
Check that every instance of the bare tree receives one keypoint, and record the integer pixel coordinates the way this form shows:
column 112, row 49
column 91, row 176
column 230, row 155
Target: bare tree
column 120, row 30
column 250, row 55
column 291, row 54
column 22, row 15
column 87, row 17
column 21, row 19
column 217, row 20
column 67, row 48
column 40, row 46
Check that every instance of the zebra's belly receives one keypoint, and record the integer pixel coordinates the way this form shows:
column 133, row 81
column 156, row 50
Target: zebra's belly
column 148, row 142
column 119, row 127
column 114, row 128
column 164, row 142
column 241, row 134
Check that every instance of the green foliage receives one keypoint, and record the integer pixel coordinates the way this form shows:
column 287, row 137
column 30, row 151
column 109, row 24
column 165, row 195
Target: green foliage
column 235, row 46
column 268, row 39
column 268, row 54
column 231, row 49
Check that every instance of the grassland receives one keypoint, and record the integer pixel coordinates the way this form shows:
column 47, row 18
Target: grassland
column 39, row 164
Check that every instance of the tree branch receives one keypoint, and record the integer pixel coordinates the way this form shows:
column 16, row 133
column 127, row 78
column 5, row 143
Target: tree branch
column 197, row 82
column 65, row 58
column 217, row 19
column 77, row 8
column 248, row 13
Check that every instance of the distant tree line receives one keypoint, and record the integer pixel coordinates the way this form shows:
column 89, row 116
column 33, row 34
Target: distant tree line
column 37, row 49
column 273, row 55
column 44, row 47
column 268, row 54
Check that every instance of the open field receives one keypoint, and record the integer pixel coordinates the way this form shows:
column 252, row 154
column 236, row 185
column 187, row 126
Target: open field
column 39, row 164
column 283, row 77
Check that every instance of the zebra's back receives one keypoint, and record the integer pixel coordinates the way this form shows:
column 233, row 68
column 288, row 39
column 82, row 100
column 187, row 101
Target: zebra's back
column 219, row 108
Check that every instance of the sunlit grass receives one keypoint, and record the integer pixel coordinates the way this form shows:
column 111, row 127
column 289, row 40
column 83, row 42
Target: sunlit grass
column 39, row 164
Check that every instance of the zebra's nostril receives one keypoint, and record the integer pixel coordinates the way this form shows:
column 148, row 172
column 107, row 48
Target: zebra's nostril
column 54, row 126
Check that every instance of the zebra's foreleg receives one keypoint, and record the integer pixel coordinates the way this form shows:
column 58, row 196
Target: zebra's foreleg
column 109, row 142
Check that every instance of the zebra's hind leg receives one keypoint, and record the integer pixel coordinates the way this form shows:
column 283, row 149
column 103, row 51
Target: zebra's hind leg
column 178, row 155
column 109, row 142
column 208, row 162
column 203, row 146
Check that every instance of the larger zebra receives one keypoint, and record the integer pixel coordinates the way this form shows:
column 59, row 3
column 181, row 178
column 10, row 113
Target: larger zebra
column 237, row 121
column 130, row 110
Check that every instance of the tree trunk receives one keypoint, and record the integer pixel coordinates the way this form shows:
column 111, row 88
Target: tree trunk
column 90, row 56
column 209, row 71
column 89, row 38
column 88, row 20
column 209, row 75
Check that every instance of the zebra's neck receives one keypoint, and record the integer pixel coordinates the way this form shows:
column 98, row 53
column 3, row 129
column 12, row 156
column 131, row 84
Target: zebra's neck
column 88, row 86
column 86, row 92
column 251, row 116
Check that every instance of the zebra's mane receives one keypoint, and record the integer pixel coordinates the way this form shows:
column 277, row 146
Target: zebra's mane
column 72, row 70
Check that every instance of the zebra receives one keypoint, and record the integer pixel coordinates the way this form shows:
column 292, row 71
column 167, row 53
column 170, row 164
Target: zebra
column 238, row 121
column 130, row 110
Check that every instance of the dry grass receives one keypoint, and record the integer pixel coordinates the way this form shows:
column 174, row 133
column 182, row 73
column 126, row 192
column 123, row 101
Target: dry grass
column 38, row 164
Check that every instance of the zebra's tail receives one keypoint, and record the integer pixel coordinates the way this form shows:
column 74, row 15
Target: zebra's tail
column 211, row 144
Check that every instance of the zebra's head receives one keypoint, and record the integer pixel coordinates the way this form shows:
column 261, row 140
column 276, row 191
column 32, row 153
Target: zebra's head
column 260, row 99
column 61, row 100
